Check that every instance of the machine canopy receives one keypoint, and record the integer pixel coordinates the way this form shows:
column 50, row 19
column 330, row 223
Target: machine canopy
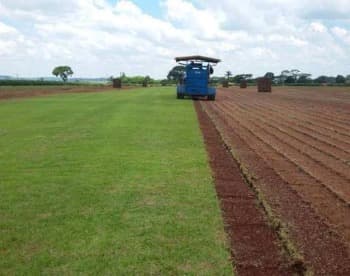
column 198, row 58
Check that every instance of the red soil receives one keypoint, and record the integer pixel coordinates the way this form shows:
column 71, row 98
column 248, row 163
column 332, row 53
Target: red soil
column 7, row 92
column 294, row 146
column 255, row 245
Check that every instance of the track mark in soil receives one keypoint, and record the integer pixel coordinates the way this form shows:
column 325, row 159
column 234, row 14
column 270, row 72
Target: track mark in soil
column 323, row 250
column 326, row 202
column 255, row 246
column 330, row 178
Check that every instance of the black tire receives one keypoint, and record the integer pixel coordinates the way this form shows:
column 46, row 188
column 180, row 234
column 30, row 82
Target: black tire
column 179, row 96
column 211, row 98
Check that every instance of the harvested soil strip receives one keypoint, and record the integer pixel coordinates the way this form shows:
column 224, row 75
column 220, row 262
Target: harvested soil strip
column 254, row 243
column 331, row 148
column 324, row 200
column 308, row 114
column 299, row 153
column 278, row 109
column 318, row 123
column 325, row 137
column 323, row 251
column 324, row 125
column 26, row 92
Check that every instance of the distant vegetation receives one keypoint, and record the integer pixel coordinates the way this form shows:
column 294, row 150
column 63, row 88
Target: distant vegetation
column 143, row 81
column 292, row 77
column 287, row 77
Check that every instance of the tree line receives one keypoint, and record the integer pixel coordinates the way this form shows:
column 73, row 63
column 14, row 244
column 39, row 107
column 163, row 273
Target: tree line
column 289, row 77
column 286, row 77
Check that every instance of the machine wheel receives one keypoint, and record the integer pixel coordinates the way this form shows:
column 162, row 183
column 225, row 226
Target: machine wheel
column 211, row 98
column 180, row 96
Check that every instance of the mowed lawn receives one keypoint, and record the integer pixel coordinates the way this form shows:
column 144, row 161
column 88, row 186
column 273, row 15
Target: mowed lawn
column 107, row 183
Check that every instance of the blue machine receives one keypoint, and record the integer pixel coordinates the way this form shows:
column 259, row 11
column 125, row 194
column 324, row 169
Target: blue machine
column 195, row 82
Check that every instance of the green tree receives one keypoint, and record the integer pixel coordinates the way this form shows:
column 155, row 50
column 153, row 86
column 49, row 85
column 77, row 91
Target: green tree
column 270, row 75
column 63, row 72
column 295, row 74
column 340, row 79
column 321, row 79
column 146, row 81
column 164, row 82
column 228, row 74
column 176, row 73
column 284, row 75
column 304, row 78
column 240, row 77
column 347, row 79
column 289, row 79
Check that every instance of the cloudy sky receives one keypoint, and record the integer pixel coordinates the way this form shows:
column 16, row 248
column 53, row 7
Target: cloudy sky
column 100, row 38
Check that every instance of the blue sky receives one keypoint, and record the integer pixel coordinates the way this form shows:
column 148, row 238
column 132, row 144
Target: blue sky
column 151, row 7
column 100, row 38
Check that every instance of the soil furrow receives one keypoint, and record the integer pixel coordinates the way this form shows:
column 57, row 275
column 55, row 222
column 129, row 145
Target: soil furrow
column 314, row 111
column 331, row 137
column 340, row 152
column 338, row 105
column 254, row 244
column 327, row 148
column 325, row 201
column 334, row 182
column 314, row 115
column 322, row 249
column 309, row 149
column 278, row 106
column 316, row 123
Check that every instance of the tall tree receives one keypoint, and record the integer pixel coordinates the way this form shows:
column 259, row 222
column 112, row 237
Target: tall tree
column 228, row 74
column 63, row 72
column 284, row 75
column 295, row 74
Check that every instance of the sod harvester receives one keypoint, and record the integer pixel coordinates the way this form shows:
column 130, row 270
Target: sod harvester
column 195, row 82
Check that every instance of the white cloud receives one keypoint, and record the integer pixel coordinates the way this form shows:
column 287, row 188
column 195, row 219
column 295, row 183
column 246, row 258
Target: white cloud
column 318, row 27
column 100, row 39
column 340, row 31
column 342, row 34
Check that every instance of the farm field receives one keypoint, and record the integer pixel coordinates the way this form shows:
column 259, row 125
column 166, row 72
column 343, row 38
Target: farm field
column 107, row 183
column 293, row 148
column 25, row 91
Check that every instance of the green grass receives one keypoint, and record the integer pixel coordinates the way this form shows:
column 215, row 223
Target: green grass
column 107, row 183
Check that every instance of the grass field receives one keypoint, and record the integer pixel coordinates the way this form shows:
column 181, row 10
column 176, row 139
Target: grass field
column 107, row 183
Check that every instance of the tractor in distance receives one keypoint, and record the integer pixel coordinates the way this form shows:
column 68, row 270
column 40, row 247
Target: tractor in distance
column 195, row 81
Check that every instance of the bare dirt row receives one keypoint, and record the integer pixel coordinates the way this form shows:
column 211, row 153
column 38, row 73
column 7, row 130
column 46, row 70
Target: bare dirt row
column 255, row 245
column 11, row 92
column 298, row 162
